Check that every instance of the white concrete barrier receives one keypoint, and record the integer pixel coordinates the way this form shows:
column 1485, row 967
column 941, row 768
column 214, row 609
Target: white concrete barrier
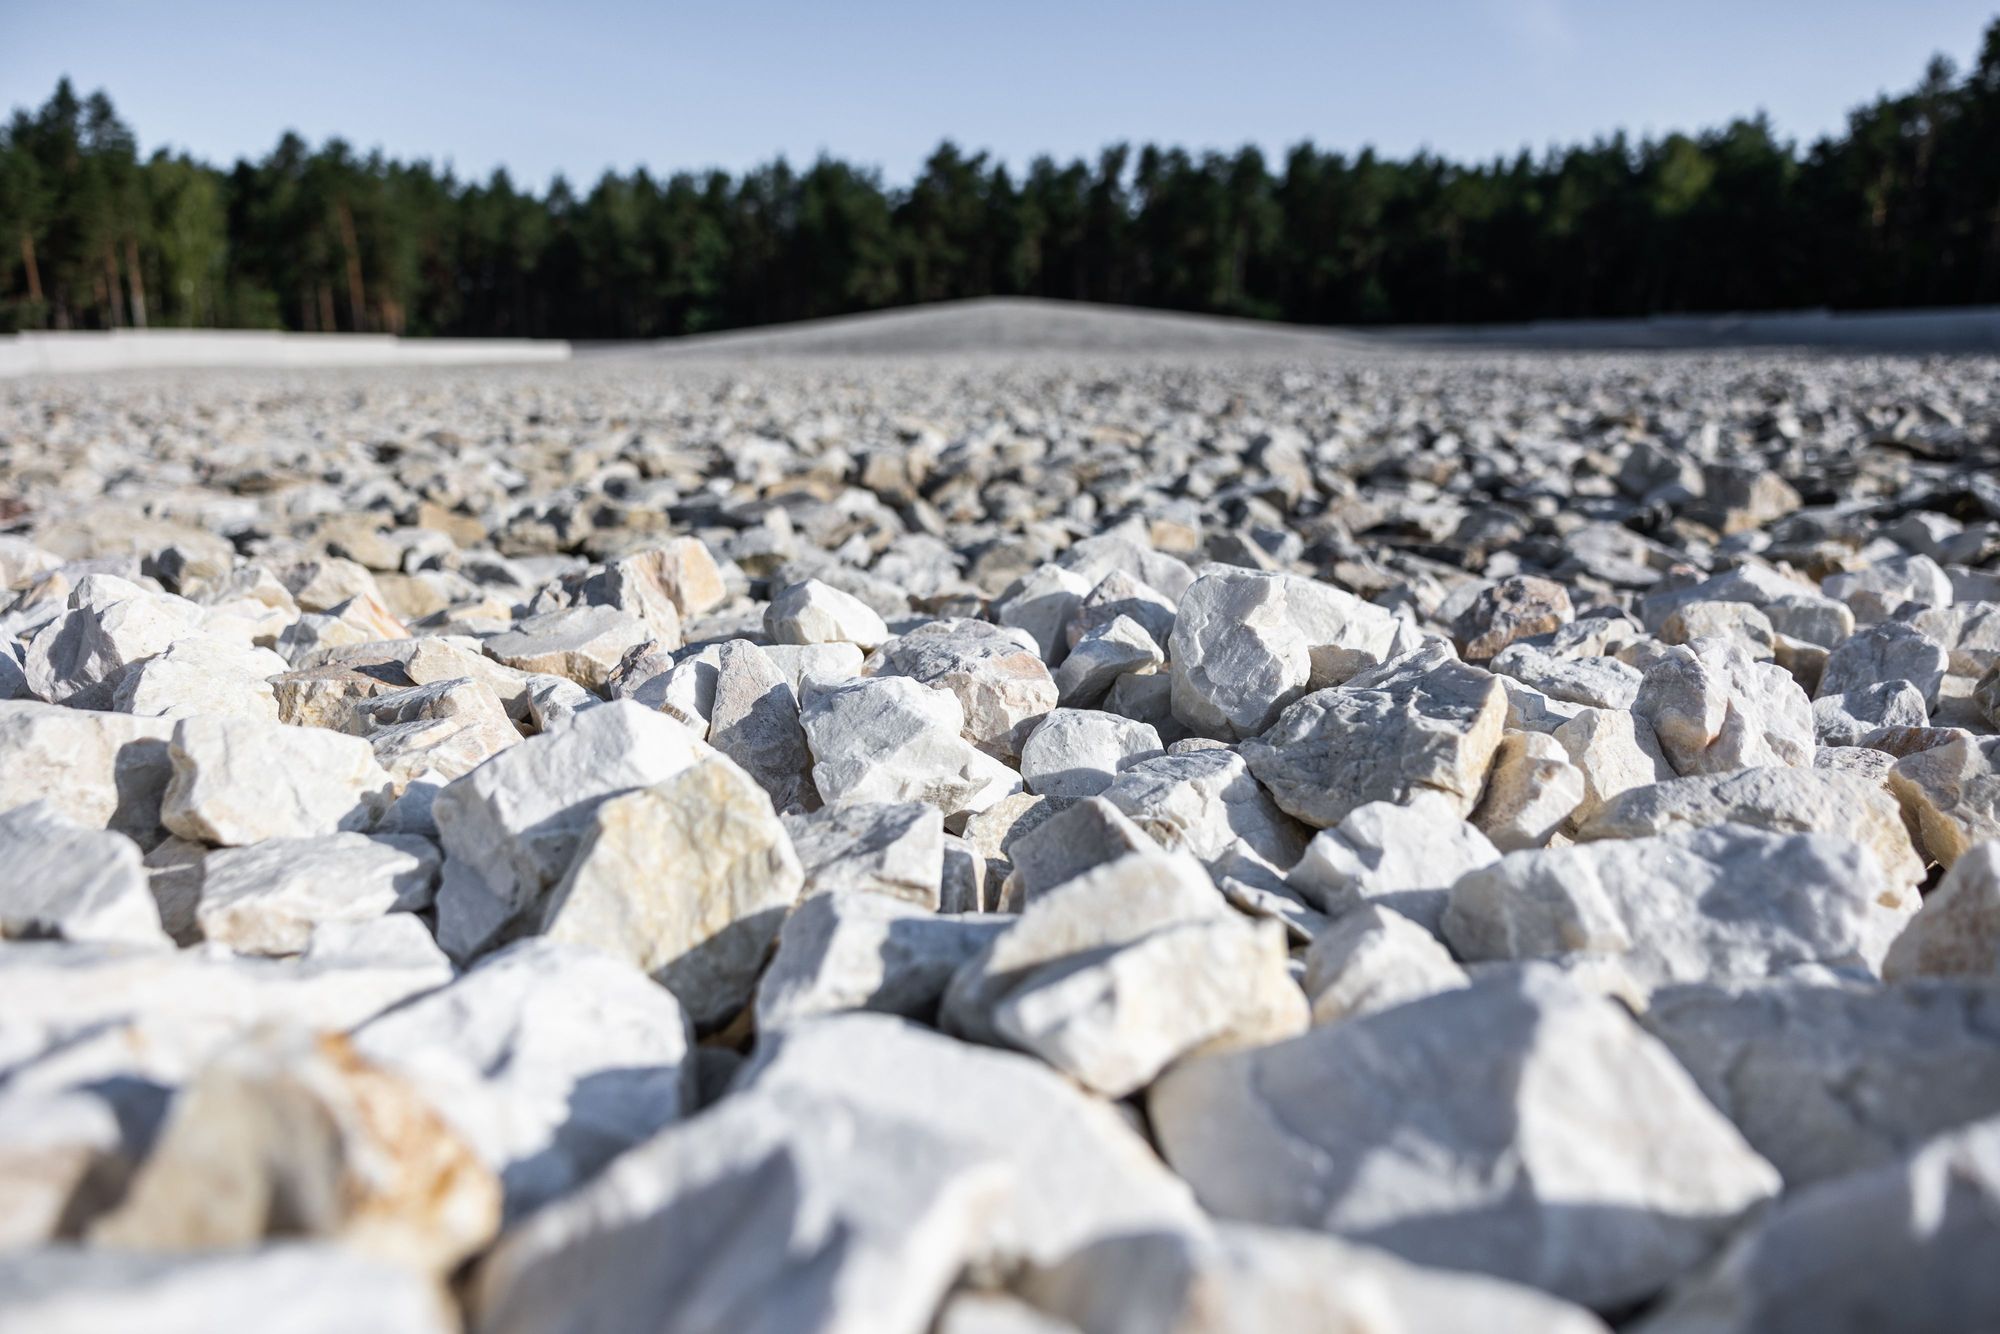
column 163, row 349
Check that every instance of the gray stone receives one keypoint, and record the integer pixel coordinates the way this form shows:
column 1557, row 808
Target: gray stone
column 1075, row 753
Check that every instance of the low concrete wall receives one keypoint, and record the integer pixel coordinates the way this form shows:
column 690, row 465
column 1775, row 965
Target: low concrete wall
column 1967, row 329
column 161, row 349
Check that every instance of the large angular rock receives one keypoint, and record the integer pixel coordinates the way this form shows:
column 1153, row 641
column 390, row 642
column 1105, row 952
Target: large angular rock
column 894, row 850
column 1079, row 1171
column 444, row 730
column 270, row 897
column 816, row 613
column 1695, row 905
column 580, row 644
column 1076, row 753
column 1951, row 792
column 111, row 625
column 236, row 781
column 202, row 674
column 1205, row 802
column 1906, row 1246
column 148, row 1019
column 1890, row 651
column 548, row 1059
column 1518, row 607
column 1877, row 591
column 1820, row 1079
column 687, row 880
column 1854, row 717
column 845, row 950
column 754, row 720
column 1405, row 857
column 841, row 1217
column 1050, row 851
column 1714, row 709
column 1246, row 644
column 291, row 1135
column 65, row 881
column 1531, row 792
column 511, row 826
column 1114, row 1017
column 1782, row 800
column 1101, row 908
column 1374, row 958
column 1521, row 1128
column 1616, row 751
column 1042, row 602
column 1956, row 933
column 287, row 1288
column 1279, row 1281
column 997, row 676
column 104, row 770
column 1346, row 746
column 1117, row 650
column 887, row 738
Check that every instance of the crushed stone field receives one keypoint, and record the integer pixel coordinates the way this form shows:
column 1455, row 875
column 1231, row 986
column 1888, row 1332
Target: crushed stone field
column 1004, row 833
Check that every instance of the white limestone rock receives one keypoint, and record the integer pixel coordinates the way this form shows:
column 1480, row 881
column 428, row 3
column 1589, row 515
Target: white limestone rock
column 1888, row 651
column 1531, row 792
column 66, row 881
column 841, row 1217
column 895, row 850
column 1405, row 857
column 1951, row 792
column 1876, row 591
column 238, row 781
column 1114, row 1017
column 580, row 644
column 111, row 624
column 270, row 897
column 1374, row 958
column 293, row 1135
column 1956, row 933
column 887, row 738
column 688, row 880
column 201, row 674
column 1280, row 1281
column 846, row 950
column 1206, row 803
column 996, row 674
column 755, row 722
column 548, row 1059
column 1108, row 904
column 1695, row 905
column 1435, row 729
column 1113, row 651
column 1616, row 752
column 1906, row 1246
column 1079, row 1171
column 1823, row 1080
column 1247, row 644
column 1714, row 709
column 510, row 828
column 104, row 770
column 284, row 1288
column 812, row 612
column 1075, row 753
column 1521, row 1128
column 1782, row 800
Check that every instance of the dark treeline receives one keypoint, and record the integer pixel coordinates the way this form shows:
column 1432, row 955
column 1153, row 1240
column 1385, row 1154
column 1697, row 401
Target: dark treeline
column 1901, row 209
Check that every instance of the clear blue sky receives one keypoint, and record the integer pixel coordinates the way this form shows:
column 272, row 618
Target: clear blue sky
column 588, row 84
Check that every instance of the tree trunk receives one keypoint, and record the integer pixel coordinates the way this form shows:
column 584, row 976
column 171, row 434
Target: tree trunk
column 326, row 320
column 114, row 302
column 136, row 281
column 357, row 297
column 34, row 269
